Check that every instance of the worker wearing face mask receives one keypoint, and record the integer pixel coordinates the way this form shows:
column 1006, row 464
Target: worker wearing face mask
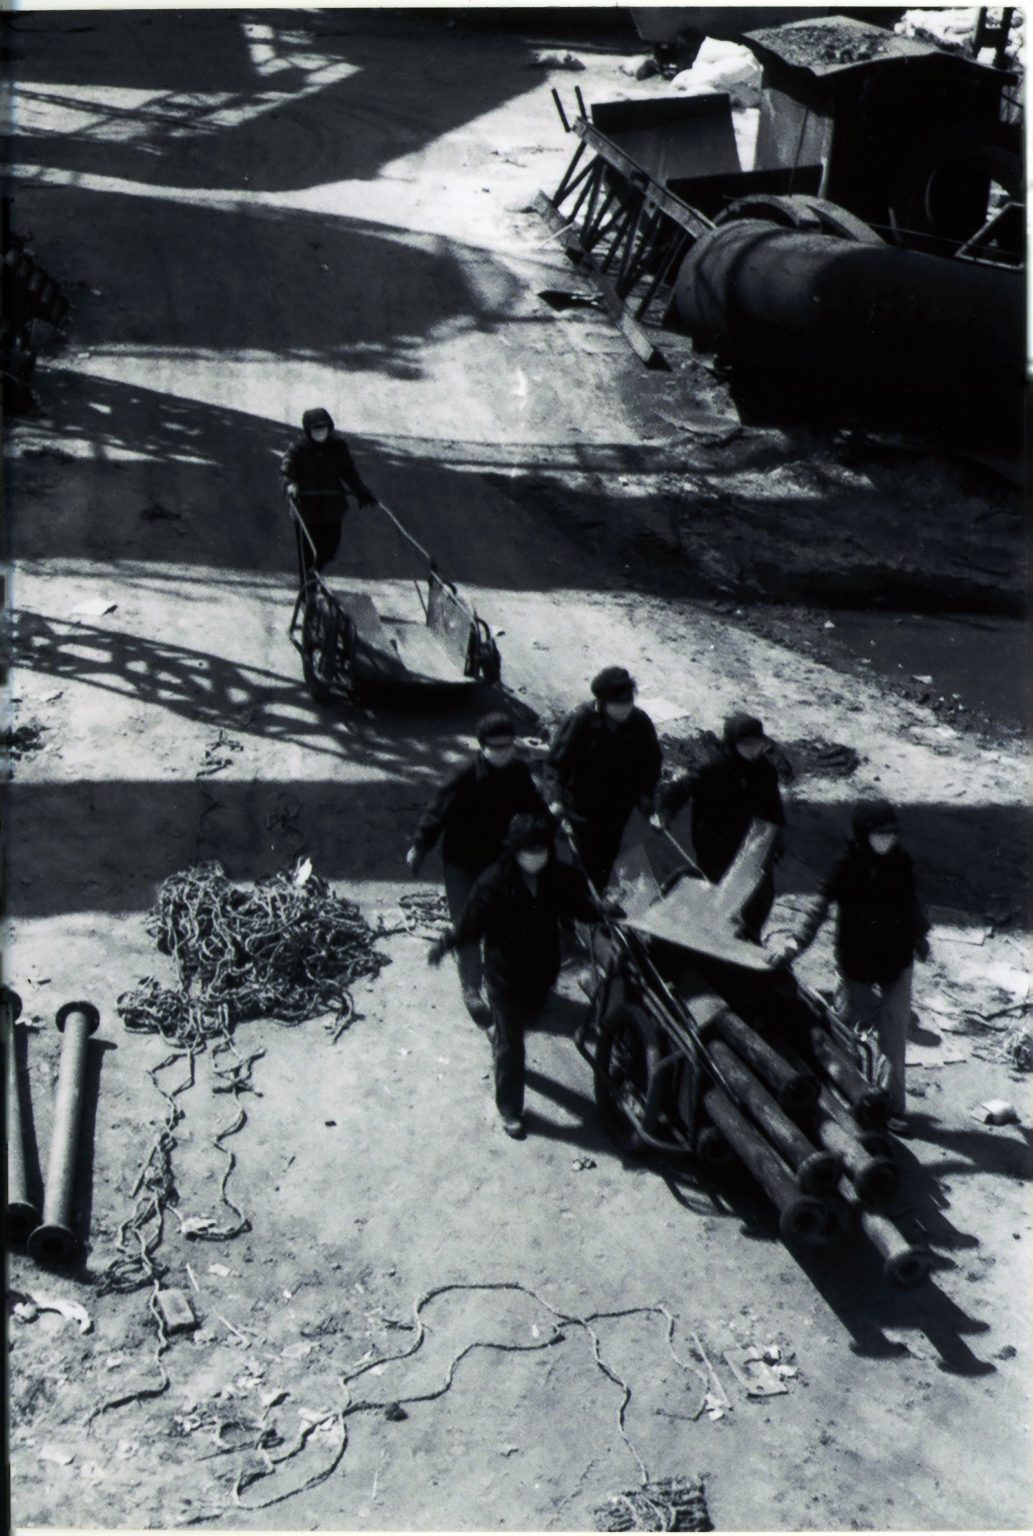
column 604, row 761
column 471, row 814
column 317, row 472
column 736, row 785
column 516, row 909
column 880, row 930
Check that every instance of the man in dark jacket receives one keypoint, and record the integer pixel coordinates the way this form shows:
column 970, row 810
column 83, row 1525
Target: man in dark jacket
column 737, row 785
column 880, row 929
column 604, row 761
column 516, row 909
column 317, row 472
column 471, row 813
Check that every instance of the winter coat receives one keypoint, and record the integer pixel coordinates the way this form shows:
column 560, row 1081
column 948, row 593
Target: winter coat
column 727, row 793
column 472, row 811
column 521, row 930
column 321, row 467
column 601, row 770
column 880, row 925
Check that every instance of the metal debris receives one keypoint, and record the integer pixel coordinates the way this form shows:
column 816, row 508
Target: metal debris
column 673, row 1504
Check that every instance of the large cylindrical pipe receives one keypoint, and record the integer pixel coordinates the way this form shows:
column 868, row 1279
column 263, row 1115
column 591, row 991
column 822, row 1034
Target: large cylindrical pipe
column 22, row 1215
column 870, row 1105
column 792, row 1088
column 800, row 1216
column 903, row 1263
column 897, row 338
column 873, row 1175
column 54, row 1241
column 816, row 1171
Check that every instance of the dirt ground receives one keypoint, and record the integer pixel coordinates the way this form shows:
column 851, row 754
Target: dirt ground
column 257, row 212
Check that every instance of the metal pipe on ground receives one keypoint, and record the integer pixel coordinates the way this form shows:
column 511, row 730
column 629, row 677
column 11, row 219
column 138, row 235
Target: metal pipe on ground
column 800, row 1216
column 22, row 1215
column 870, row 1105
column 903, row 1263
column 54, row 1241
column 873, row 1175
column 850, row 329
column 817, row 1172
column 794, row 1089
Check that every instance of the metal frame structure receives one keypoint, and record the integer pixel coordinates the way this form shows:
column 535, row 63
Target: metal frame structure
column 622, row 228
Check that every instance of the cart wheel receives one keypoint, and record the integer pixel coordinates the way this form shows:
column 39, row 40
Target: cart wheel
column 319, row 642
column 622, row 1072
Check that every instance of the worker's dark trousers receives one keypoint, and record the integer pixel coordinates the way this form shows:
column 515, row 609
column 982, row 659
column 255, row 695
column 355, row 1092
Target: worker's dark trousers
column 510, row 1019
column 598, row 839
column 459, row 879
column 323, row 519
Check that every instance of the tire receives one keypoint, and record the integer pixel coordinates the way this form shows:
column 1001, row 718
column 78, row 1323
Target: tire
column 319, row 642
column 623, row 1059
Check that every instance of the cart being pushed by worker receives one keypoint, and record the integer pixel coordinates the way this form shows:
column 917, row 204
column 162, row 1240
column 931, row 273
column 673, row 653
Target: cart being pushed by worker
column 346, row 645
column 700, row 1045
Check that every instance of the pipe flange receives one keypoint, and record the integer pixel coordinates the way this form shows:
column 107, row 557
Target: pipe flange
column 92, row 1015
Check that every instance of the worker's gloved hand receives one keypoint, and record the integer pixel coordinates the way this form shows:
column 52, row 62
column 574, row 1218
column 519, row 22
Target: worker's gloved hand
column 661, row 820
column 922, row 950
column 613, row 908
column 557, row 810
column 414, row 858
column 439, row 949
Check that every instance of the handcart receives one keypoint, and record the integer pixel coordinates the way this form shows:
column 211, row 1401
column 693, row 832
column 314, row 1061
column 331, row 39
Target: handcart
column 347, row 646
column 700, row 1046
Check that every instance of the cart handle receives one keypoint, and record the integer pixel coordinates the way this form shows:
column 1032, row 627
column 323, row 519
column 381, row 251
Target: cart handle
column 407, row 535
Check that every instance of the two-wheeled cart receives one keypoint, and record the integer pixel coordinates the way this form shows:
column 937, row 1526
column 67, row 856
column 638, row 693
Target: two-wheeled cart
column 699, row 1045
column 346, row 645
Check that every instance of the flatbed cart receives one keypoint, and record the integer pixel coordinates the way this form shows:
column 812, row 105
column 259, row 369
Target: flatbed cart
column 699, row 1046
column 347, row 646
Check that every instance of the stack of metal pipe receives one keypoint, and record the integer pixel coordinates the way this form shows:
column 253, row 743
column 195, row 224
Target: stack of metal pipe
column 809, row 1127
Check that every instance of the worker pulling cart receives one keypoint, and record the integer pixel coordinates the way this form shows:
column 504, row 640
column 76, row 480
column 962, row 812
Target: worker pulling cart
column 344, row 643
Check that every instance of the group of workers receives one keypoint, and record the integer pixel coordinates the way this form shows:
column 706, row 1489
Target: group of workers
column 509, row 895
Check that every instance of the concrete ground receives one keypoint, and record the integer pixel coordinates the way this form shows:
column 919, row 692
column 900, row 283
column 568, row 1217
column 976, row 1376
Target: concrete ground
column 256, row 212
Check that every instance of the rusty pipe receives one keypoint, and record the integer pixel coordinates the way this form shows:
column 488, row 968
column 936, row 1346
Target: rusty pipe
column 22, row 1215
column 817, row 1172
column 794, row 1089
column 895, row 338
column 903, row 1263
column 872, row 1173
column 870, row 1106
column 800, row 1216
column 54, row 1241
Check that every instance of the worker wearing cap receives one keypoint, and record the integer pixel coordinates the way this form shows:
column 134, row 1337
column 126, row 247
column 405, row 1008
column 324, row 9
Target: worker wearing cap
column 880, row 930
column 737, row 785
column 317, row 472
column 604, row 761
column 516, row 909
column 471, row 814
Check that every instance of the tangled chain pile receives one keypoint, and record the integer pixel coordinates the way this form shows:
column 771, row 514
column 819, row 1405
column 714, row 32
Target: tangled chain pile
column 289, row 950
column 672, row 1504
column 424, row 913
